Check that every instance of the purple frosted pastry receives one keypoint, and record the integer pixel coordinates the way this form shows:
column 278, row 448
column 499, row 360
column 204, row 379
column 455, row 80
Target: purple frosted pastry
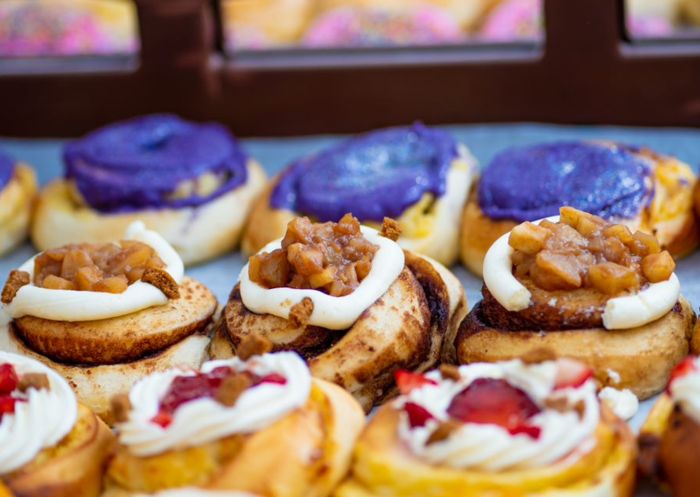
column 17, row 192
column 623, row 184
column 192, row 182
column 417, row 175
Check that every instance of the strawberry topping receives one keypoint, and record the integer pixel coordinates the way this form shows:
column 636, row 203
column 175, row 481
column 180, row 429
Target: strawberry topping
column 571, row 374
column 495, row 401
column 417, row 414
column 407, row 381
column 275, row 378
column 8, row 379
column 7, row 405
column 684, row 368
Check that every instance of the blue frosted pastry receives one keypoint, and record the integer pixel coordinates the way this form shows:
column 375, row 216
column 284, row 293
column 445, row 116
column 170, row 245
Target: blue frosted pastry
column 624, row 184
column 191, row 182
column 417, row 175
column 17, row 192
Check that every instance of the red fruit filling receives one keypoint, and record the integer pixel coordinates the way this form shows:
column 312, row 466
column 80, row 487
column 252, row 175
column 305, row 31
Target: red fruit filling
column 571, row 374
column 495, row 401
column 417, row 415
column 684, row 368
column 8, row 379
column 407, row 381
column 185, row 389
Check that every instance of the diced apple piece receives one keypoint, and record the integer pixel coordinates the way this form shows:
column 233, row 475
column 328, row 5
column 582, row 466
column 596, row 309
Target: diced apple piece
column 658, row 267
column 554, row 271
column 528, row 237
column 612, row 279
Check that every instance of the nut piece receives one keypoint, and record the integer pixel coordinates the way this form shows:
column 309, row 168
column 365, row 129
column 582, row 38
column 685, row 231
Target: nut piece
column 37, row 381
column 162, row 281
column 252, row 345
column 231, row 388
column 15, row 281
column 390, row 229
column 450, row 372
column 443, row 431
column 658, row 267
column 300, row 313
column 121, row 405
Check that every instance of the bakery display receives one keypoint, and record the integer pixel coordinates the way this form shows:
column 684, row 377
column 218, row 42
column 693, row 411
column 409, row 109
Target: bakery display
column 500, row 429
column 49, row 444
column 103, row 315
column 260, row 424
column 17, row 191
column 190, row 182
column 417, row 175
column 630, row 185
column 583, row 288
column 349, row 300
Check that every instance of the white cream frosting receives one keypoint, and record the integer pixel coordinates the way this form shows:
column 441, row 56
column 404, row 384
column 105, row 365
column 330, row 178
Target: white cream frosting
column 623, row 403
column 488, row 447
column 685, row 391
column 204, row 420
column 74, row 305
column 39, row 422
column 334, row 313
column 628, row 311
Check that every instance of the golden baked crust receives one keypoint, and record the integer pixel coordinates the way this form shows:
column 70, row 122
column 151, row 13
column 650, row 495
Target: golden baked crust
column 305, row 453
column 643, row 357
column 16, row 204
column 197, row 234
column 385, row 466
column 122, row 338
column 74, row 468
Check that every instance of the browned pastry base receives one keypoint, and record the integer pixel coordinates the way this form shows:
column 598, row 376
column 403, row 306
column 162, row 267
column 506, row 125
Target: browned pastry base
column 642, row 357
column 74, row 468
column 403, row 329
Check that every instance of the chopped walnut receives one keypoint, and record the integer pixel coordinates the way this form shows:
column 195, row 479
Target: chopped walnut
column 300, row 313
column 121, row 405
column 163, row 281
column 391, row 229
column 443, row 431
column 15, row 281
column 232, row 387
column 450, row 372
column 37, row 381
column 252, row 345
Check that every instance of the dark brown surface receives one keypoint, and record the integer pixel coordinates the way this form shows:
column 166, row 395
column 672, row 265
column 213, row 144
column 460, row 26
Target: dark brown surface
column 586, row 73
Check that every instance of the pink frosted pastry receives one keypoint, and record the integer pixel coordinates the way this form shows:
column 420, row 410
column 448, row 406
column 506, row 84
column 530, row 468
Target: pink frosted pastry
column 513, row 20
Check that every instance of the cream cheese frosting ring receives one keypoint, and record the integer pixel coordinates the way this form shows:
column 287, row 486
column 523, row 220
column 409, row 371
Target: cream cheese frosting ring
column 406, row 328
column 16, row 204
column 197, row 233
column 643, row 357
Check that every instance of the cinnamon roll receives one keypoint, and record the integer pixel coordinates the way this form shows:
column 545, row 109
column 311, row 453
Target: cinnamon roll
column 17, row 191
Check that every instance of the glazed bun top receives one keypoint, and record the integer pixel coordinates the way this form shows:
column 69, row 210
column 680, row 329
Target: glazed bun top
column 375, row 175
column 156, row 161
column 7, row 168
column 531, row 182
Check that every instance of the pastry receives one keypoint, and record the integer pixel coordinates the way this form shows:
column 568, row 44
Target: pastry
column 260, row 425
column 51, row 445
column 349, row 300
column 417, row 175
column 669, row 440
column 190, row 182
column 585, row 288
column 512, row 20
column 632, row 186
column 264, row 24
column 17, row 192
column 501, row 430
column 103, row 315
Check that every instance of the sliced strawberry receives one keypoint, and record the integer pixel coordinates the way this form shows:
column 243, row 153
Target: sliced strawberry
column 162, row 419
column 417, row 414
column 571, row 374
column 8, row 379
column 530, row 431
column 684, row 368
column 7, row 405
column 275, row 378
column 495, row 401
column 407, row 381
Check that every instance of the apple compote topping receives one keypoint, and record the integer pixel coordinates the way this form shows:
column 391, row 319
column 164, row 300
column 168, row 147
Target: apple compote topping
column 583, row 251
column 331, row 257
column 103, row 267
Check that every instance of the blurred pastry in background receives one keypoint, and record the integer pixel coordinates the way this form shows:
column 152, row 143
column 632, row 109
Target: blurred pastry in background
column 191, row 182
column 512, row 20
column 634, row 186
column 418, row 175
column 18, row 189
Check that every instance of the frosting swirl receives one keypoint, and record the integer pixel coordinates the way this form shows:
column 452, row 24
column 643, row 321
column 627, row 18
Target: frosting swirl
column 608, row 180
column 7, row 169
column 375, row 175
column 204, row 419
column 685, row 390
column 141, row 163
column 40, row 421
column 490, row 447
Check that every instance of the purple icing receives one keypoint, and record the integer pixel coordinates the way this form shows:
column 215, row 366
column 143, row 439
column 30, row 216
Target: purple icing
column 528, row 183
column 138, row 164
column 372, row 175
column 7, row 169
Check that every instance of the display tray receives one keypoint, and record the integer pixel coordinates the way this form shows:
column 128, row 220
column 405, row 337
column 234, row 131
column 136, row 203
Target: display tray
column 483, row 140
